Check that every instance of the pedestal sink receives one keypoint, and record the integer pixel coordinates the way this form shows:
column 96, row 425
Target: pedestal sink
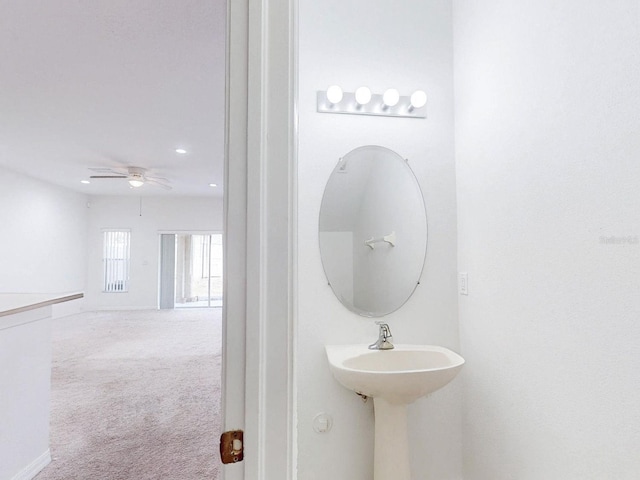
column 394, row 378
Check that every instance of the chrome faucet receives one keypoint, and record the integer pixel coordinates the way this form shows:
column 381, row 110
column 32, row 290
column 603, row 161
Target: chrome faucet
column 384, row 338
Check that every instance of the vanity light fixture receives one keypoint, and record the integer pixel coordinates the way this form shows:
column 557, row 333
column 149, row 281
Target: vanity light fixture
column 364, row 102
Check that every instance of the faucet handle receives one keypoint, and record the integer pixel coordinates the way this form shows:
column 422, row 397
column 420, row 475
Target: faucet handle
column 385, row 331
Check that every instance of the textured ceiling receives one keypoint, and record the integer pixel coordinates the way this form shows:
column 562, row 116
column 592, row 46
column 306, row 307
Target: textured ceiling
column 114, row 83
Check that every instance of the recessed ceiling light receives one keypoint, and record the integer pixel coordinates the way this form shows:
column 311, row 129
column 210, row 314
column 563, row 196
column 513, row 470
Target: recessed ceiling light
column 86, row 182
column 213, row 185
column 181, row 150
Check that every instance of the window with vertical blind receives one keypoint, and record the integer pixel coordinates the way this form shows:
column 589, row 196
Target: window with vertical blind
column 116, row 260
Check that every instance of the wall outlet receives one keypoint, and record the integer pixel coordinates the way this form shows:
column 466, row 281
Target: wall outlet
column 464, row 283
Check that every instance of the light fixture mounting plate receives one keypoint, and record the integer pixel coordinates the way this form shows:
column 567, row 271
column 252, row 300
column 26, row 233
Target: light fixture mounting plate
column 376, row 106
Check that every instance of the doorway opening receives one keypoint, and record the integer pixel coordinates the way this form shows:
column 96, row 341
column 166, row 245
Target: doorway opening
column 191, row 270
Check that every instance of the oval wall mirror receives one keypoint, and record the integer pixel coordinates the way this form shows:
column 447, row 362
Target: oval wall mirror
column 373, row 231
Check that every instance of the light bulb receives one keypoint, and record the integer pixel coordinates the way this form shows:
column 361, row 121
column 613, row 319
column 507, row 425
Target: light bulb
column 418, row 99
column 334, row 94
column 363, row 95
column 181, row 151
column 391, row 97
column 136, row 183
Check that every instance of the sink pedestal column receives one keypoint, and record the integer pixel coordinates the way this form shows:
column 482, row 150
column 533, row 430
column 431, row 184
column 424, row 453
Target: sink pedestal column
column 391, row 451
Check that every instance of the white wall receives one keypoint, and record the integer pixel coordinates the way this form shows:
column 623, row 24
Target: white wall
column 43, row 236
column 547, row 144
column 174, row 214
column 406, row 45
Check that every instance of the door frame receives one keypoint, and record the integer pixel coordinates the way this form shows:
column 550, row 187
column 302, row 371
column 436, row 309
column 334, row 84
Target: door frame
column 259, row 325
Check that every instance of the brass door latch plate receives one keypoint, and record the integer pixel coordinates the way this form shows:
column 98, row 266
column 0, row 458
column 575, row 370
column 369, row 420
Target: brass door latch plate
column 232, row 446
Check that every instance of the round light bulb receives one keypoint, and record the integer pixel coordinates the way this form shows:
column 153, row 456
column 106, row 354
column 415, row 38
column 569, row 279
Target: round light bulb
column 418, row 99
column 363, row 95
column 391, row 97
column 136, row 183
column 334, row 94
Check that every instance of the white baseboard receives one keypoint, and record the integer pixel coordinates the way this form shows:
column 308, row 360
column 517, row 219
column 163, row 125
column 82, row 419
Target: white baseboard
column 34, row 468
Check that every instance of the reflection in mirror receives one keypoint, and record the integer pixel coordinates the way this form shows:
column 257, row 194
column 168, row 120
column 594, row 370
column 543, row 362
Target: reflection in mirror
column 373, row 231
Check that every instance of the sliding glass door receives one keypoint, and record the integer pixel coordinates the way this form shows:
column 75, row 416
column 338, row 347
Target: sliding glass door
column 191, row 270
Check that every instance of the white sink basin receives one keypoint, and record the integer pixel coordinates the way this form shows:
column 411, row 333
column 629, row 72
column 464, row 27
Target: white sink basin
column 394, row 378
column 401, row 375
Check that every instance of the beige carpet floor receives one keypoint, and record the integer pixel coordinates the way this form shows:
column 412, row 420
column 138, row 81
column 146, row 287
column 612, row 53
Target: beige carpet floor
column 136, row 396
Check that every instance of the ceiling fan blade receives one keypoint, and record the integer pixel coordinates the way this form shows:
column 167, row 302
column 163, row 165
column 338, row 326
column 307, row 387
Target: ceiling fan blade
column 114, row 171
column 107, row 176
column 157, row 179
column 156, row 183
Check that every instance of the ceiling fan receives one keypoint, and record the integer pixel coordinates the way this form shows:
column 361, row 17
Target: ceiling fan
column 136, row 176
